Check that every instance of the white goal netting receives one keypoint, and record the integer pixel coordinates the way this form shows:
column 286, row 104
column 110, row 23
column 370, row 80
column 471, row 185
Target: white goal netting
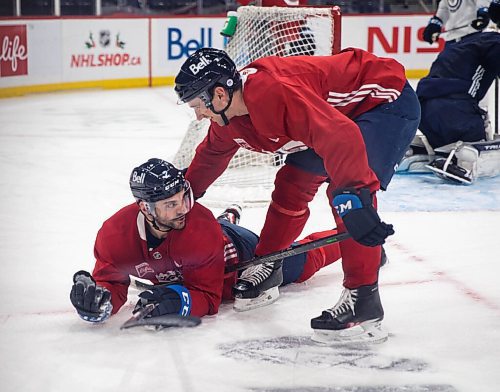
column 261, row 32
column 280, row 31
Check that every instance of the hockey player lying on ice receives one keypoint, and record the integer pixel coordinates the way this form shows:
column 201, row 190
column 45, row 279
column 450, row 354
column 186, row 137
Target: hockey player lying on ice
column 346, row 119
column 166, row 237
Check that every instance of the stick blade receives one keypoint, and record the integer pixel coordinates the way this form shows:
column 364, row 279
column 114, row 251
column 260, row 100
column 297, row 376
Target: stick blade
column 166, row 321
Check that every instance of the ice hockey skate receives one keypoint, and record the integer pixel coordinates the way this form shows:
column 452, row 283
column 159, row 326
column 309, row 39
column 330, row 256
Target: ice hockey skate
column 355, row 319
column 258, row 286
column 232, row 214
column 449, row 171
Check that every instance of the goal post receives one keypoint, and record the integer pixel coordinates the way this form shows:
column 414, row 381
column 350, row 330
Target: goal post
column 262, row 32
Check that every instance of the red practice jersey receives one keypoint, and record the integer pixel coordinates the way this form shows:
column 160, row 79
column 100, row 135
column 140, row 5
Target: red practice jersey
column 300, row 102
column 194, row 257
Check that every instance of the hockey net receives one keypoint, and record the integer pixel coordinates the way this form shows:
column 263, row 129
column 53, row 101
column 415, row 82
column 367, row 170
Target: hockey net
column 262, row 32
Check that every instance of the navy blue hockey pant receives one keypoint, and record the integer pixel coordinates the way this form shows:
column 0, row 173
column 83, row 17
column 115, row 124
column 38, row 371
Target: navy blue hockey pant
column 387, row 131
column 449, row 119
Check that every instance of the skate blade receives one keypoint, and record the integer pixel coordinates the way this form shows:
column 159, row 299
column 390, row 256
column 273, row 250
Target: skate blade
column 369, row 332
column 449, row 177
column 265, row 298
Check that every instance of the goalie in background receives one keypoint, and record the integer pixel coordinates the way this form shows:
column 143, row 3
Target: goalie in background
column 166, row 237
column 346, row 119
column 458, row 143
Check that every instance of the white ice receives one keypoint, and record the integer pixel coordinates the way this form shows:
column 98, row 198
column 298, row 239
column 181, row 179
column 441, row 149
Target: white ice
column 65, row 162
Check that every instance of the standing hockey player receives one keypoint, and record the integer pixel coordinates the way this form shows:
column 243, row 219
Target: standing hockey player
column 459, row 19
column 166, row 237
column 347, row 119
column 458, row 80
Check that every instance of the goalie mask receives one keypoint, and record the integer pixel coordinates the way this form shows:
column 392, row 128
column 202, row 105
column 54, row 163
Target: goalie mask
column 202, row 72
column 157, row 180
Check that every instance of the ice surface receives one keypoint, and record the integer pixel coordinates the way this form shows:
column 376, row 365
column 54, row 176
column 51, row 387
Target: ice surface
column 65, row 162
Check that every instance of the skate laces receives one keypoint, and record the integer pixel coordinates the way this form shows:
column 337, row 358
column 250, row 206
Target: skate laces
column 256, row 274
column 345, row 303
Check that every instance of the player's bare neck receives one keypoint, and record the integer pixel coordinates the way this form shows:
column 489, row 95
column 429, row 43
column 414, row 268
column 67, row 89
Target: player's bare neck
column 238, row 105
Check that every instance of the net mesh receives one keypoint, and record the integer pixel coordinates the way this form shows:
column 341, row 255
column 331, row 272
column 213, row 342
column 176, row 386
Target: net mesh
column 280, row 31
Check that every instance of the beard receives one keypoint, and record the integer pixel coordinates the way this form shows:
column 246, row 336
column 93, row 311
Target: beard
column 172, row 224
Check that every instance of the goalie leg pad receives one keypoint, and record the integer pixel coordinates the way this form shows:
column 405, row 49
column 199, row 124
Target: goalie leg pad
column 468, row 161
column 414, row 164
column 483, row 158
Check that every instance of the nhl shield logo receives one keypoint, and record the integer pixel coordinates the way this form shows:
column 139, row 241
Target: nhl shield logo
column 104, row 38
column 157, row 256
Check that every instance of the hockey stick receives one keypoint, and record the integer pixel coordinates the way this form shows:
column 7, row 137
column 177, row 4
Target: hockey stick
column 435, row 36
column 140, row 285
column 291, row 251
column 159, row 322
column 175, row 320
column 275, row 256
column 457, row 28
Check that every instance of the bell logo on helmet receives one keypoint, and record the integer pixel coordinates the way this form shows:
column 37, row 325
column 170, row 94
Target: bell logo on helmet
column 202, row 71
column 156, row 180
column 138, row 178
column 195, row 68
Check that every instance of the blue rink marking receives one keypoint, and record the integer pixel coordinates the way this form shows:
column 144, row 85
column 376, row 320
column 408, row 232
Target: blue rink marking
column 426, row 192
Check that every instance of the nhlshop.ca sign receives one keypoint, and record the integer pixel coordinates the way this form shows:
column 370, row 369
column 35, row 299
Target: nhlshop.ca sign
column 13, row 50
column 104, row 49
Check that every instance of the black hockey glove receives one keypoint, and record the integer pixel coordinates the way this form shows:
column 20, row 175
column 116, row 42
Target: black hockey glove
column 360, row 217
column 483, row 18
column 168, row 299
column 92, row 302
column 432, row 30
column 494, row 11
